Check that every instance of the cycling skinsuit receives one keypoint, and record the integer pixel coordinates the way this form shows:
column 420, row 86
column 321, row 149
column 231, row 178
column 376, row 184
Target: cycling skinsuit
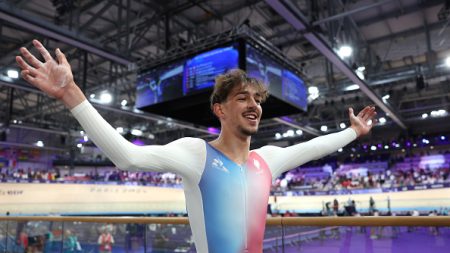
column 226, row 201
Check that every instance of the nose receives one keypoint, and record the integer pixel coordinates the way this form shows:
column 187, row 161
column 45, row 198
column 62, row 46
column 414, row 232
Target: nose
column 252, row 103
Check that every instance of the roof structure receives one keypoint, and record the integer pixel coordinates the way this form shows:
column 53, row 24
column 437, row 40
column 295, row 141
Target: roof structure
column 399, row 47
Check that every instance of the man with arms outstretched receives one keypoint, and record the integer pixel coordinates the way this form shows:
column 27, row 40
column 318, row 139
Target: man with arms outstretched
column 226, row 184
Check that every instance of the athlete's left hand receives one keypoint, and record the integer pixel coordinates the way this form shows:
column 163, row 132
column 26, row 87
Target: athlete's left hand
column 364, row 121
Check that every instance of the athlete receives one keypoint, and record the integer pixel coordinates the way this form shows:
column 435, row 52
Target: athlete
column 226, row 184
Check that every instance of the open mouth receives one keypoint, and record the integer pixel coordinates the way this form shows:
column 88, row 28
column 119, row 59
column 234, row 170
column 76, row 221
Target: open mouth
column 252, row 116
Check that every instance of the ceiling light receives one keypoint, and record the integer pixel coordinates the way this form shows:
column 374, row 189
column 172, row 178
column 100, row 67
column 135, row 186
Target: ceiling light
column 438, row 113
column 278, row 136
column 425, row 115
column 12, row 73
column 299, row 132
column 340, row 150
column 124, row 102
column 92, row 96
column 136, row 132
column 79, row 145
column 106, row 98
column 342, row 125
column 447, row 61
column 360, row 72
column 290, row 133
column 313, row 92
column 40, row 143
column 352, row 87
column 373, row 148
column 323, row 128
column 345, row 51
column 382, row 120
column 119, row 130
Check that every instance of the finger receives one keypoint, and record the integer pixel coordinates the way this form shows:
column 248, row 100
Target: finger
column 42, row 50
column 61, row 57
column 29, row 78
column 364, row 112
column 370, row 114
column 30, row 58
column 350, row 112
column 22, row 63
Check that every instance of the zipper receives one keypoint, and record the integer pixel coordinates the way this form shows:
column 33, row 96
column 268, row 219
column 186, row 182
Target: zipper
column 244, row 187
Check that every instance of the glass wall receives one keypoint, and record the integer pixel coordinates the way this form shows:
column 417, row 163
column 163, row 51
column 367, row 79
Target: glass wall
column 75, row 236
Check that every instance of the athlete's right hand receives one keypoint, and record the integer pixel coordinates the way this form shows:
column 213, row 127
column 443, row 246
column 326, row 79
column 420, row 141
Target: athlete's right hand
column 53, row 77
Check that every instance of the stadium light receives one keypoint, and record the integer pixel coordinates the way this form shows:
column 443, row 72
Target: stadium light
column 342, row 125
column 106, row 98
column 12, row 73
column 299, row 132
column 425, row 115
column 124, row 102
column 360, row 72
column 345, row 51
column 382, row 120
column 290, row 133
column 323, row 128
column 278, row 136
column 352, row 87
column 40, row 143
column 136, row 132
column 313, row 93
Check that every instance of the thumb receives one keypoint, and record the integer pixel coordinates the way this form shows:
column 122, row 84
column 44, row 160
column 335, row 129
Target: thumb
column 61, row 57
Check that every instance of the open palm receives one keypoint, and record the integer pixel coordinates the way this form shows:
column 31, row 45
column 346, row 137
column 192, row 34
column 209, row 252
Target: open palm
column 364, row 121
column 52, row 76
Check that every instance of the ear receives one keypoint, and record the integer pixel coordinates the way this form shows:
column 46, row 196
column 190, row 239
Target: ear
column 218, row 110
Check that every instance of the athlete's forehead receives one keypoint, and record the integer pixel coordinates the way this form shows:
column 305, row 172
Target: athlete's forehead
column 245, row 89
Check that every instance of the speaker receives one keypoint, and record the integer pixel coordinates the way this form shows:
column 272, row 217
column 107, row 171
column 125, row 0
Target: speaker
column 420, row 83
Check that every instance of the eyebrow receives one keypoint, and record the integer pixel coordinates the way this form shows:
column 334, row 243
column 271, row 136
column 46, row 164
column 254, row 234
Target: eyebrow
column 247, row 93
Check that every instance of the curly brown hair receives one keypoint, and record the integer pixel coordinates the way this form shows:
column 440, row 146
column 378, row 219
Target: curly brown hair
column 226, row 82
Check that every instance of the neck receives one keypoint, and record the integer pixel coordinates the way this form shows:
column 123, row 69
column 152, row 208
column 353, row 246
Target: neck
column 234, row 147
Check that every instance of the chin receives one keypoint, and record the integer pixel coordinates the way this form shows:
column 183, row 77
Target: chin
column 249, row 131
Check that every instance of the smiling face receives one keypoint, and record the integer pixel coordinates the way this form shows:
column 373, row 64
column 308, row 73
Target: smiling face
column 242, row 110
column 236, row 101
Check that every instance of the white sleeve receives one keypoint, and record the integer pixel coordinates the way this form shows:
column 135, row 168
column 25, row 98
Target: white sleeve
column 184, row 156
column 283, row 159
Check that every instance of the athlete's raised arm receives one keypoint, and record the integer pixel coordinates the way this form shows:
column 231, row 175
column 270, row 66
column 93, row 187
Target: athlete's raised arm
column 283, row 159
column 54, row 77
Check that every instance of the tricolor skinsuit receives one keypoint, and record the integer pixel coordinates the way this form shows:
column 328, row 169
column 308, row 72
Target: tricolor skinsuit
column 226, row 201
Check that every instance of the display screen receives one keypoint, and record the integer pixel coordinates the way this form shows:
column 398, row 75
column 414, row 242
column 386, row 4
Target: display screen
column 201, row 70
column 160, row 84
column 181, row 78
column 262, row 67
column 294, row 89
column 281, row 82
